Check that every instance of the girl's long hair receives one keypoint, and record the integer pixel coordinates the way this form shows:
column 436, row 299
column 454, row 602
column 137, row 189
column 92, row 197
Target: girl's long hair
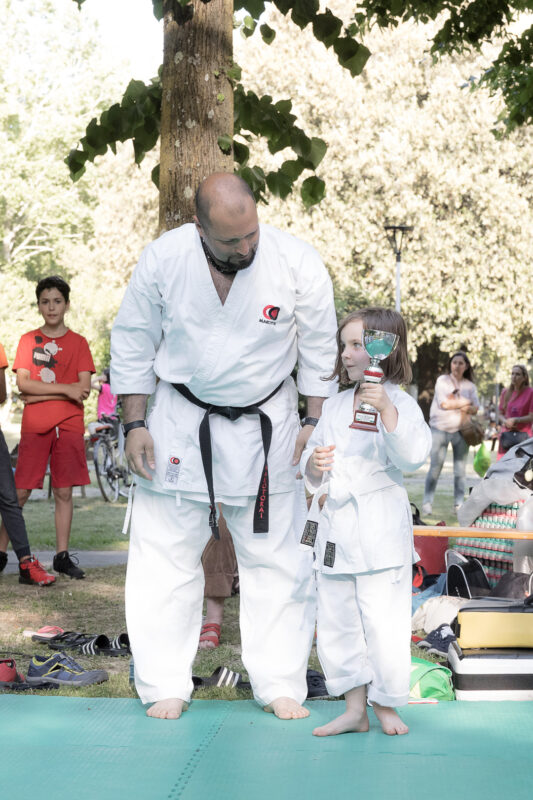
column 396, row 367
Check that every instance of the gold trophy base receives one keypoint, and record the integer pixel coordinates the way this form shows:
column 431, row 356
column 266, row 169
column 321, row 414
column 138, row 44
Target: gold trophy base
column 365, row 421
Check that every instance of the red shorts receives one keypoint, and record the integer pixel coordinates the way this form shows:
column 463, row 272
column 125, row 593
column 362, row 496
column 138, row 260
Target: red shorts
column 66, row 450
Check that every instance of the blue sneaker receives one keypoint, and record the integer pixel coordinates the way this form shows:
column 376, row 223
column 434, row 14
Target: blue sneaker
column 61, row 670
column 438, row 641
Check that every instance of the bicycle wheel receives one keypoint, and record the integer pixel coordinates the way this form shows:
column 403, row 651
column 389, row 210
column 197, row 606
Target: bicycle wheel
column 126, row 478
column 106, row 472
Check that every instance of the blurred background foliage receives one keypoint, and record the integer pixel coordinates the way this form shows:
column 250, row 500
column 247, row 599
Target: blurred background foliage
column 407, row 140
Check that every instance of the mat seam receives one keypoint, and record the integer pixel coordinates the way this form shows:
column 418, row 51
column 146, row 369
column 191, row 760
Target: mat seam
column 194, row 761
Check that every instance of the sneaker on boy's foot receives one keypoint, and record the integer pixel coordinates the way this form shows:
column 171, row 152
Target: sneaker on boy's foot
column 316, row 685
column 427, row 508
column 3, row 560
column 61, row 670
column 31, row 571
column 64, row 563
column 438, row 641
column 9, row 677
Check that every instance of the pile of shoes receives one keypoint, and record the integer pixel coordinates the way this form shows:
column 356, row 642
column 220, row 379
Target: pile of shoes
column 48, row 672
column 90, row 644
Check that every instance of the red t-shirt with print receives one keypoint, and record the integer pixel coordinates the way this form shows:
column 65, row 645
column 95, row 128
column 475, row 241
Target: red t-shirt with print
column 53, row 360
column 3, row 359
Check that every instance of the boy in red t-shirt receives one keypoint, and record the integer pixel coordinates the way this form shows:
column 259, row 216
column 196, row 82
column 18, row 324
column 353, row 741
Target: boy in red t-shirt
column 53, row 366
column 13, row 527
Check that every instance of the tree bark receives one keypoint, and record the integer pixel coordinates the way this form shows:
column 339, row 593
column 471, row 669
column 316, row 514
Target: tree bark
column 197, row 105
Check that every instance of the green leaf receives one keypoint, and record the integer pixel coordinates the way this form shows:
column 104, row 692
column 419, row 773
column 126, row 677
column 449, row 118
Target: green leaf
column 284, row 5
column 155, row 175
column 234, row 73
column 304, row 11
column 248, row 27
column 135, row 90
column 293, row 168
column 241, row 153
column 254, row 7
column 75, row 162
column 352, row 55
column 157, row 7
column 317, row 152
column 279, row 183
column 300, row 143
column 225, row 143
column 255, row 178
column 313, row 191
column 267, row 33
column 326, row 28
column 284, row 107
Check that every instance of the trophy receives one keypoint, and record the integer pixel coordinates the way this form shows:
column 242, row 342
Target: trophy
column 379, row 345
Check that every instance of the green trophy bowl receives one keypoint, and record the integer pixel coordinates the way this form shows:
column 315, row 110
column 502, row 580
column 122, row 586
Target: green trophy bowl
column 379, row 345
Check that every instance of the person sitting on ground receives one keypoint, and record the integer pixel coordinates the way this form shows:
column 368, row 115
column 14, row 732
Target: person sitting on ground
column 13, row 529
column 363, row 544
column 54, row 367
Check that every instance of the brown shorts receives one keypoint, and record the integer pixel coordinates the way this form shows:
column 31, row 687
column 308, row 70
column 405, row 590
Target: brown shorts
column 219, row 563
column 66, row 451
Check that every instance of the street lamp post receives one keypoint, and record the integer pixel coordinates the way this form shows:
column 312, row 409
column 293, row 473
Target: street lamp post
column 395, row 234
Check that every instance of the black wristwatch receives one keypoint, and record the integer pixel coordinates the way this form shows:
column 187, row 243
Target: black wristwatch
column 310, row 421
column 129, row 426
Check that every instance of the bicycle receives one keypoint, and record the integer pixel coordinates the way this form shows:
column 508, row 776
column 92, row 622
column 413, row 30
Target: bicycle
column 112, row 470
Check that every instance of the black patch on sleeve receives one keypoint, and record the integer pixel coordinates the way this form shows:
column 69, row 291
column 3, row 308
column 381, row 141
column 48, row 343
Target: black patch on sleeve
column 329, row 554
column 310, row 533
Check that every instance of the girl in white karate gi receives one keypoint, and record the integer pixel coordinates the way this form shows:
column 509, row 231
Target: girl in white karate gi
column 364, row 542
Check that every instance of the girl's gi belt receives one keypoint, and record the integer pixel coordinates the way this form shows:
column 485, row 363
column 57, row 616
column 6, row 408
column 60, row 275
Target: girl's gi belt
column 232, row 413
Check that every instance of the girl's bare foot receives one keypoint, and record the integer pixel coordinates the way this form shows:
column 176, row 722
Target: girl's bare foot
column 351, row 721
column 389, row 719
column 286, row 708
column 168, row 709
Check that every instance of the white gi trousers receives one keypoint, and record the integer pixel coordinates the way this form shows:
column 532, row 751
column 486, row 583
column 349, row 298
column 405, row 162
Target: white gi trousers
column 164, row 595
column 364, row 633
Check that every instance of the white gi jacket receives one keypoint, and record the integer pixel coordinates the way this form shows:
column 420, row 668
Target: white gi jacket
column 172, row 325
column 366, row 522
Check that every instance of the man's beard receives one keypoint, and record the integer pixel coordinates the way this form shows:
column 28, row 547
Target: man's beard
column 228, row 267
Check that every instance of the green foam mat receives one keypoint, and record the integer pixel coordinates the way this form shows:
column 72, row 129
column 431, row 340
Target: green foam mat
column 97, row 748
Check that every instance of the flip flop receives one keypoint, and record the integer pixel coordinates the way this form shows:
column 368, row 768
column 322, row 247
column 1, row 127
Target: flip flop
column 44, row 634
column 90, row 644
column 121, row 643
column 222, row 676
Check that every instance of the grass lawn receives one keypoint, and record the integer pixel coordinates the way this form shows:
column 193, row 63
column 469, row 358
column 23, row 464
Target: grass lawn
column 96, row 604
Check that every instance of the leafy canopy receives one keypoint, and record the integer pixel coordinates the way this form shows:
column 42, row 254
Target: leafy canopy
column 138, row 115
column 465, row 27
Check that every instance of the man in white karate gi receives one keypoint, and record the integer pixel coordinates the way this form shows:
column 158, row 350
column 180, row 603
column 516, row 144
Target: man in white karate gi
column 217, row 313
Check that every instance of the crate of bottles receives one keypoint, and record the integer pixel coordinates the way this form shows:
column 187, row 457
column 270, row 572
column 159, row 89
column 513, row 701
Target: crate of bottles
column 496, row 555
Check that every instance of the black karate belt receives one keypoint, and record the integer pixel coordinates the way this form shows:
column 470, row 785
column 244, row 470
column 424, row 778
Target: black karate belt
column 232, row 413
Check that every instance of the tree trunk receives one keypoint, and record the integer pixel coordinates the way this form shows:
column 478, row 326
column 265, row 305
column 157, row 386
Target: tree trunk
column 429, row 365
column 197, row 104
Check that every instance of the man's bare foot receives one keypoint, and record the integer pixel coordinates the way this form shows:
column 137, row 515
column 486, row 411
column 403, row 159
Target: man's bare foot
column 168, row 709
column 389, row 719
column 286, row 708
column 350, row 721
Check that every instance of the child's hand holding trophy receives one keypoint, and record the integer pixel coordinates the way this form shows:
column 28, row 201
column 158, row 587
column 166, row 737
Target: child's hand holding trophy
column 379, row 345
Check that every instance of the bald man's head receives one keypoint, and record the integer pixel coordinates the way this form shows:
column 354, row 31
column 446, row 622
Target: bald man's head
column 226, row 221
column 225, row 192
